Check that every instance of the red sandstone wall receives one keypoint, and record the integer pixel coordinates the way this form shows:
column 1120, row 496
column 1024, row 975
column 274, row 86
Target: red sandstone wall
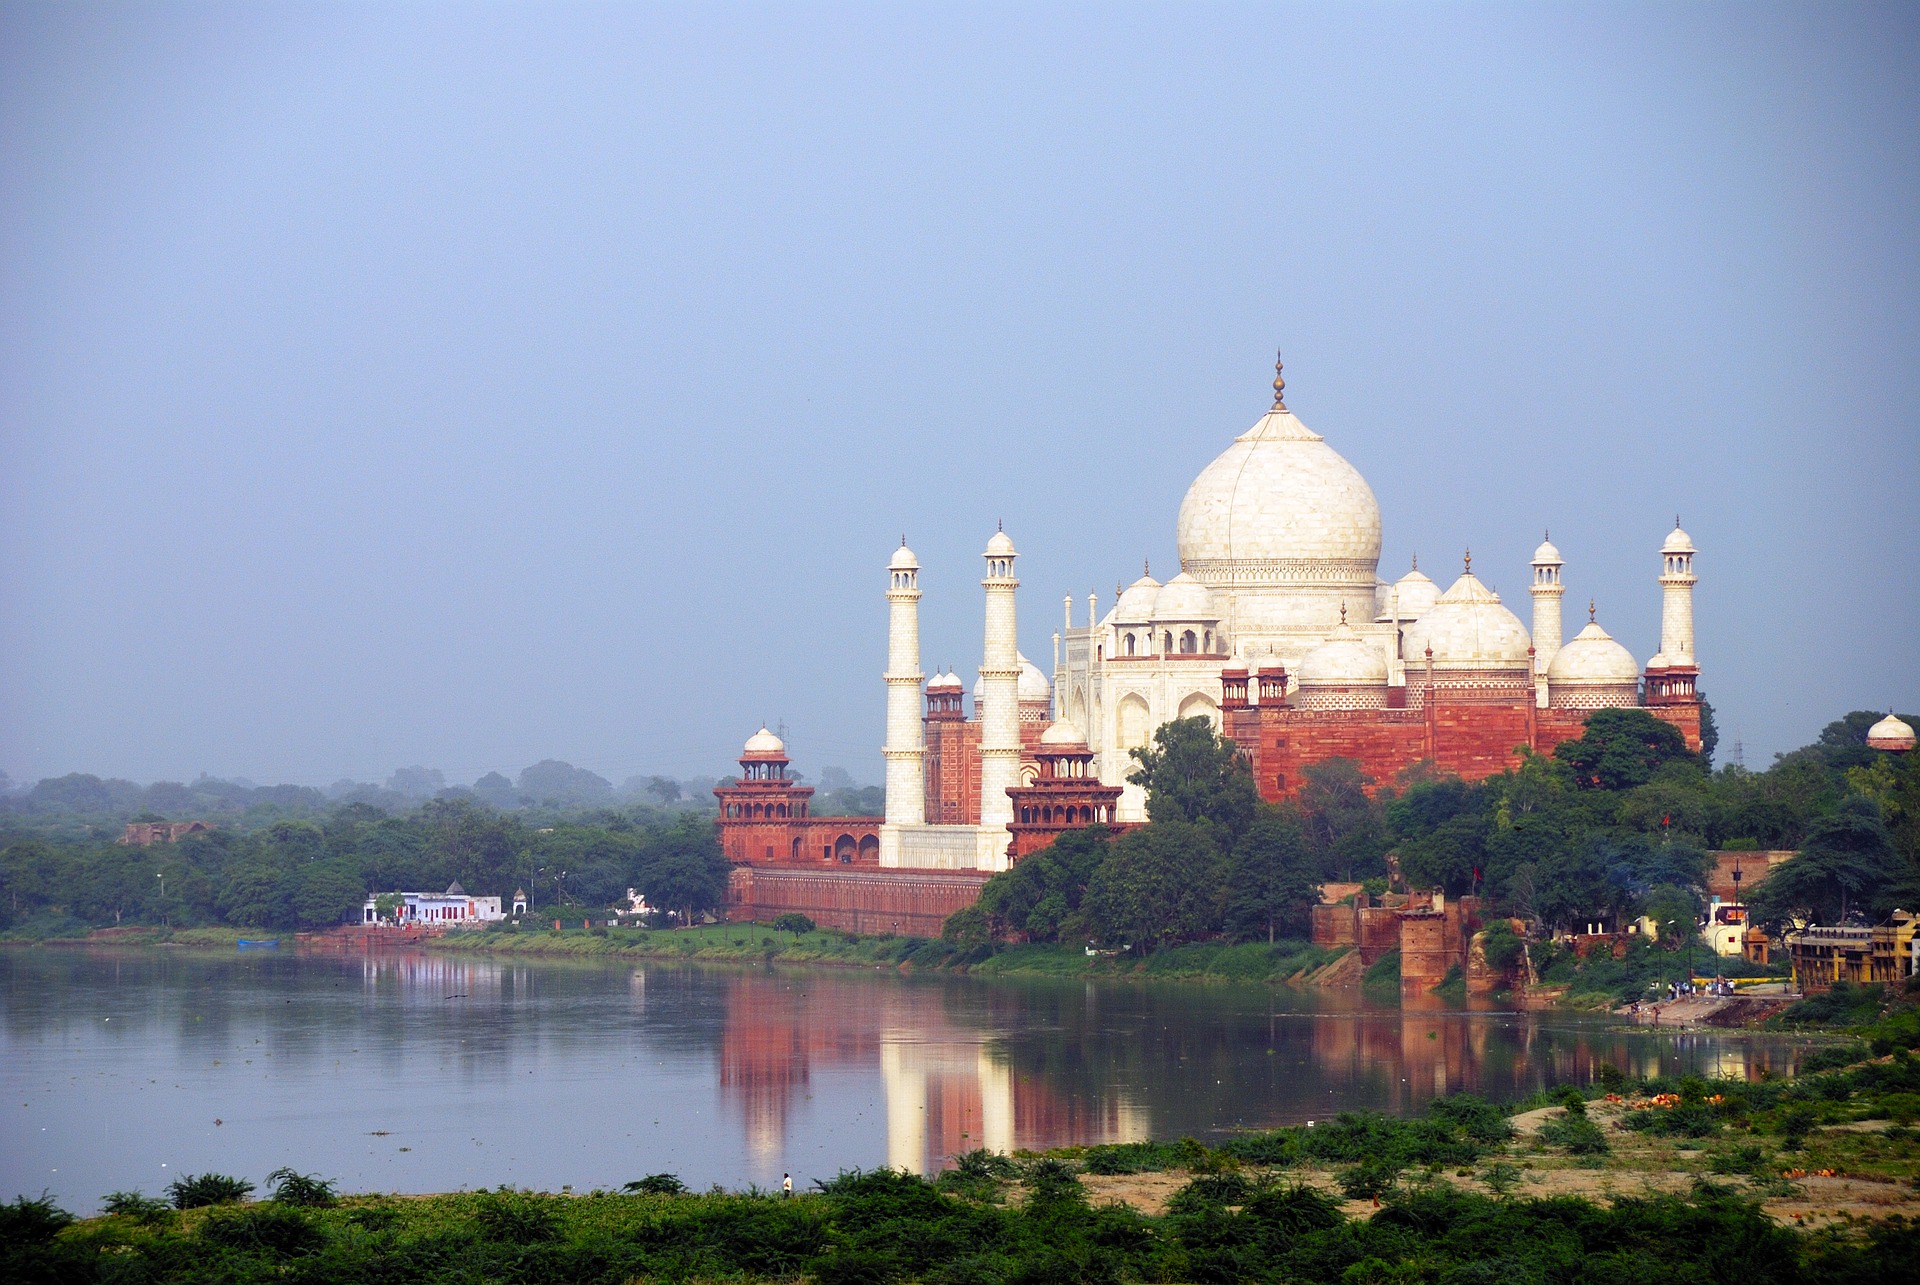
column 1472, row 735
column 1753, row 867
column 1424, row 957
column 912, row 903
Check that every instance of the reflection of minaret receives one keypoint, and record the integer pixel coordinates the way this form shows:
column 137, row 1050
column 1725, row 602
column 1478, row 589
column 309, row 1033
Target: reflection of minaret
column 763, row 1061
column 905, row 1084
column 996, row 1102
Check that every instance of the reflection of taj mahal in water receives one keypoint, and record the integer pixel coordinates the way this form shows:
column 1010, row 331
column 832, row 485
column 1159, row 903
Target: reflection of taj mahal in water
column 1278, row 629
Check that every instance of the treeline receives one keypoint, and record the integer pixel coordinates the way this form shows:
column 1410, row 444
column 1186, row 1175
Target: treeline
column 1613, row 825
column 312, row 871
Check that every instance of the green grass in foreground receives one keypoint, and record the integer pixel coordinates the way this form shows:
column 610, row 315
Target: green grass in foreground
column 742, row 943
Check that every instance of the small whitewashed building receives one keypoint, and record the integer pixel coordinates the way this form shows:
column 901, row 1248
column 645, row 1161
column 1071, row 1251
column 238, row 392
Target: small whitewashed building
column 427, row 909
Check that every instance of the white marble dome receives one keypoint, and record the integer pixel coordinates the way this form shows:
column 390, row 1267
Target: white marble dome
column 1592, row 656
column 1184, row 598
column 1000, row 546
column 1033, row 684
column 1344, row 660
column 944, row 681
column 1417, row 594
column 1061, row 732
column 1891, row 733
column 1468, row 628
column 903, row 560
column 1277, row 498
column 1136, row 602
column 765, row 742
column 1547, row 555
column 1678, row 541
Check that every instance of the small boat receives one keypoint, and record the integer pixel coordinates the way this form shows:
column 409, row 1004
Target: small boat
column 270, row 943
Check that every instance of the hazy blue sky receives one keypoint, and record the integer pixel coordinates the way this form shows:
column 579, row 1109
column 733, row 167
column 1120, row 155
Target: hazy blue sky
column 472, row 384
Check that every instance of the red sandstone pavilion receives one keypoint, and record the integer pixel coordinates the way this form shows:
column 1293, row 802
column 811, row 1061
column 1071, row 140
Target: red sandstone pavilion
column 1278, row 630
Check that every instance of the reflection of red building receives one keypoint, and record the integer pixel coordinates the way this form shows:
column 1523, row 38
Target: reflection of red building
column 946, row 1092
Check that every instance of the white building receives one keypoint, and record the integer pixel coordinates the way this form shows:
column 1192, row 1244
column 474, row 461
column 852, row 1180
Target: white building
column 449, row 908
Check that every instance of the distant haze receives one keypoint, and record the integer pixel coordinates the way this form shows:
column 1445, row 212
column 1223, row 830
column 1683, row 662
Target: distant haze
column 473, row 385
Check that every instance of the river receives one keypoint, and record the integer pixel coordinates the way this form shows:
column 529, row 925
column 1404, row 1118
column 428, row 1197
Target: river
column 422, row 1072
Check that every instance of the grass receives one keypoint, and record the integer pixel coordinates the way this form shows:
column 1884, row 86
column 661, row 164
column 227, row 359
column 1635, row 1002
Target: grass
column 759, row 943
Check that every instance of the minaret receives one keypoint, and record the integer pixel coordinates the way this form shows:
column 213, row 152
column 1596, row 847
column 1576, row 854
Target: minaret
column 905, row 750
column 1000, row 721
column 1547, row 592
column 1676, row 607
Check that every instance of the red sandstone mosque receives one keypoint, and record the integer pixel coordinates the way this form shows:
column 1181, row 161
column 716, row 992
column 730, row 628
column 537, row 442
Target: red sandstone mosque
column 1278, row 629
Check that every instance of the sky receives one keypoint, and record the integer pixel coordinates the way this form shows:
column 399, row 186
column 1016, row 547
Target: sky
column 473, row 384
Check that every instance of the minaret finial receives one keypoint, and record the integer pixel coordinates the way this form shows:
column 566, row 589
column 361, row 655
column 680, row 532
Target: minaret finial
column 1546, row 535
column 1279, row 384
column 1676, row 521
column 1416, row 562
column 1590, row 619
column 1343, row 613
column 1146, row 568
column 903, row 539
column 999, row 524
column 1469, row 561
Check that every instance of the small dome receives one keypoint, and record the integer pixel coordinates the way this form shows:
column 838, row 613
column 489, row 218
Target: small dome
column 1469, row 629
column 1890, row 733
column 1033, row 684
column 1184, row 598
column 1001, row 546
column 1137, row 601
column 1061, row 732
column 1345, row 659
column 943, row 681
column 903, row 560
column 1678, row 541
column 1417, row 595
column 1547, row 555
column 765, row 742
column 1592, row 656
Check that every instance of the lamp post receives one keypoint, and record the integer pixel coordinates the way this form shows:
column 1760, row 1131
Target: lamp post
column 161, row 875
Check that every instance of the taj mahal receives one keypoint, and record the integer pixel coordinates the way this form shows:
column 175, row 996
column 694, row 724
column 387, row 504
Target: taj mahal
column 1278, row 629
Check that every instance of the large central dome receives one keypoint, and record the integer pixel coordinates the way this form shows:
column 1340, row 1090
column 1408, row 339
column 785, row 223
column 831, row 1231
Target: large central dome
column 1280, row 506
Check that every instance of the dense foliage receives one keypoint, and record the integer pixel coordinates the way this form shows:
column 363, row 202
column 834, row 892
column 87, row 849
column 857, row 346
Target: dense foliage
column 312, row 871
column 1613, row 825
column 1246, row 1212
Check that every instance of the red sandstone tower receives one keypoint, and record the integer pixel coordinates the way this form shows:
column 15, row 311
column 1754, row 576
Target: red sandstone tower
column 1065, row 795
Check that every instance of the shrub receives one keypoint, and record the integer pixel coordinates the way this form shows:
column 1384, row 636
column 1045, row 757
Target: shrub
column 1370, row 1179
column 517, row 1217
column 197, row 1191
column 31, row 1221
column 1130, row 1157
column 982, row 1163
column 1577, row 1133
column 134, row 1205
column 263, row 1229
column 1829, row 1059
column 290, row 1188
column 1293, row 1210
column 1211, row 1189
column 656, row 1184
column 1749, row 1159
column 794, row 922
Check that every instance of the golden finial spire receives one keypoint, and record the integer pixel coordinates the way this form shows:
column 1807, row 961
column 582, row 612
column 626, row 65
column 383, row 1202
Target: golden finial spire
column 1146, row 568
column 1343, row 612
column 1279, row 384
column 1590, row 619
column 1416, row 562
column 1469, row 561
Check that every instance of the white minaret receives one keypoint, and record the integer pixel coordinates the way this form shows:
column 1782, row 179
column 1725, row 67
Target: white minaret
column 1000, row 721
column 905, row 750
column 1676, row 606
column 1547, row 592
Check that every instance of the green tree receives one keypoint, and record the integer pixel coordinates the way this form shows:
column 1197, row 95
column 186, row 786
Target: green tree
column 1194, row 775
column 1345, row 825
column 325, row 892
column 1847, row 863
column 1162, row 884
column 1272, row 877
column 1622, row 748
column 1056, row 876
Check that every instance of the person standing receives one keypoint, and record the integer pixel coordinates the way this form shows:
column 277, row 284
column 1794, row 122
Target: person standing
column 786, row 1185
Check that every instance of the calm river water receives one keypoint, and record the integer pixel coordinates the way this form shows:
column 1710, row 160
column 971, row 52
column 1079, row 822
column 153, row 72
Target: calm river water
column 423, row 1072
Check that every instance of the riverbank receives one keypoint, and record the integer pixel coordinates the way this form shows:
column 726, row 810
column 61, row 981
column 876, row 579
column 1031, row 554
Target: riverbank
column 757, row 943
column 1811, row 1178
